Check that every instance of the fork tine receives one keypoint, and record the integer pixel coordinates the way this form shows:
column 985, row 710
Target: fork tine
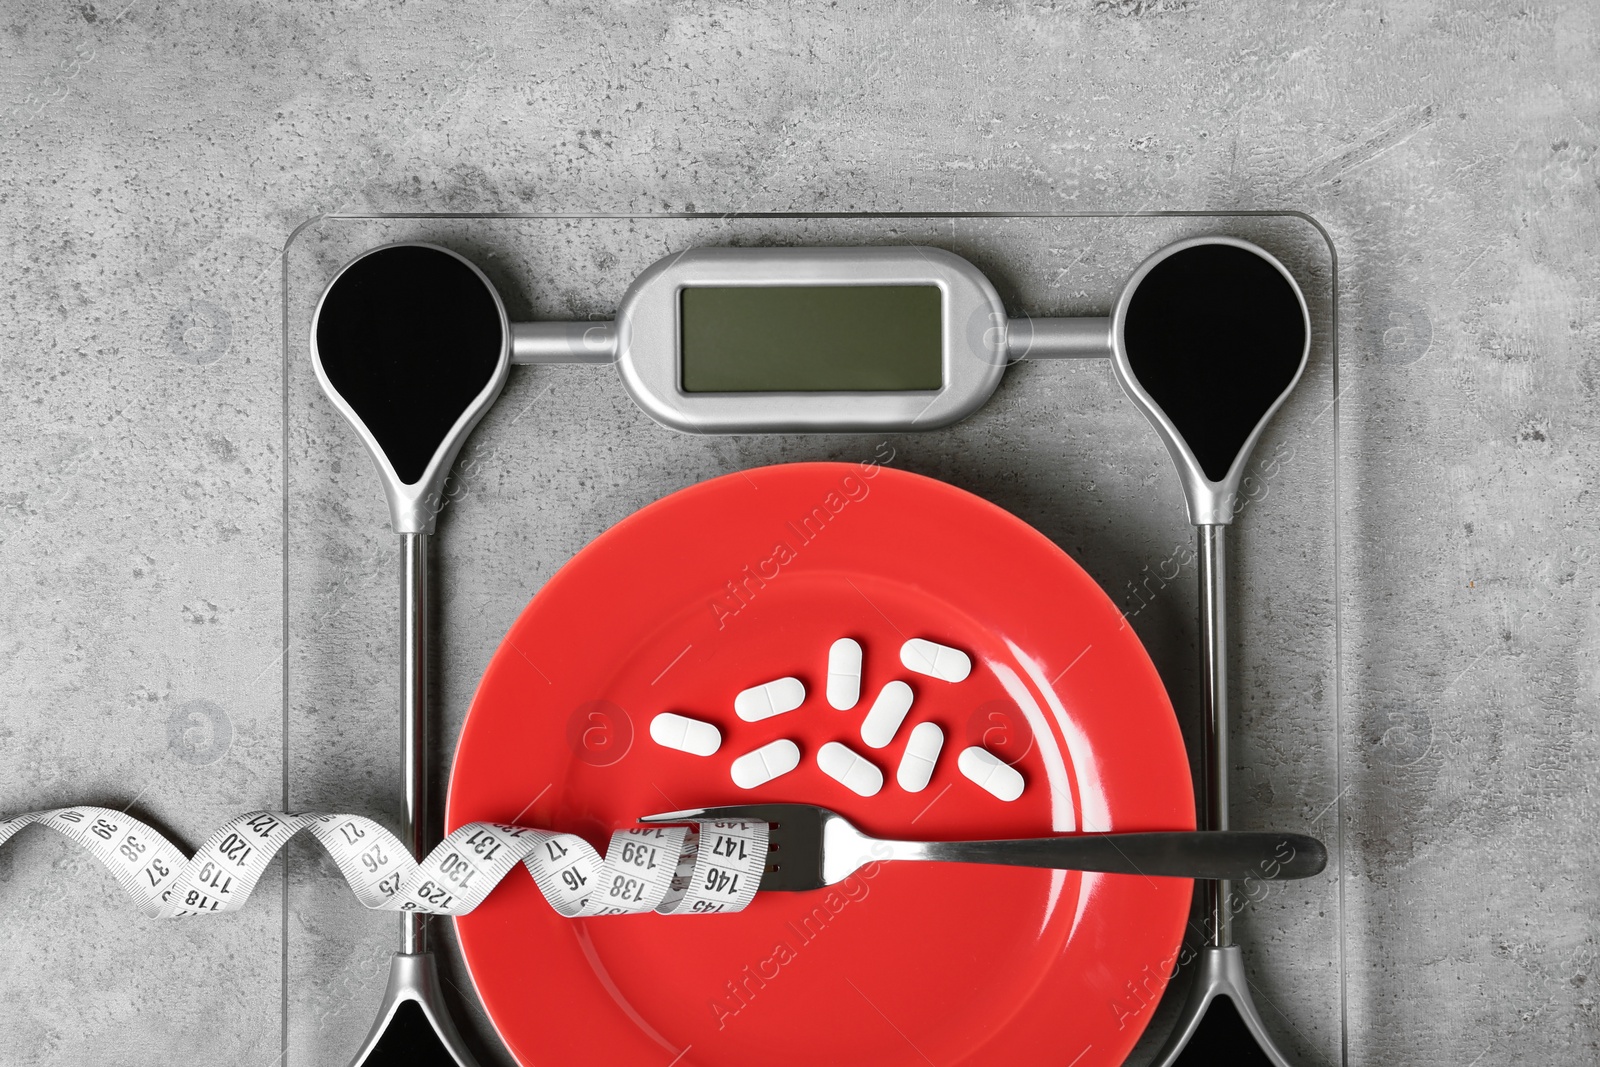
column 727, row 813
column 770, row 877
column 686, row 815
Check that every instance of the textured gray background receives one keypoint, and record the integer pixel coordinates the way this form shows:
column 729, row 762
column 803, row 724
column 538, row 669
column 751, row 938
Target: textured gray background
column 156, row 157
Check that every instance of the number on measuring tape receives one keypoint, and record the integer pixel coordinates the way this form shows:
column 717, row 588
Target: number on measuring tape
column 484, row 844
column 690, row 870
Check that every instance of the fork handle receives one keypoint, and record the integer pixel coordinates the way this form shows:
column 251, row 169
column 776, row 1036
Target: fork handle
column 1234, row 855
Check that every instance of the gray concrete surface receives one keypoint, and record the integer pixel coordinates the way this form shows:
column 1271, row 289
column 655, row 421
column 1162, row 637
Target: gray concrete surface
column 157, row 156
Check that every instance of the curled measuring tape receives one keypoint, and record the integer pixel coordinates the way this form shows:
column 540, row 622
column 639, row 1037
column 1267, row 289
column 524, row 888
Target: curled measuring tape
column 675, row 870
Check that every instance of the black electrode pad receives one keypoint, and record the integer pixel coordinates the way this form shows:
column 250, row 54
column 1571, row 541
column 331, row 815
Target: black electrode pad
column 1215, row 334
column 409, row 336
column 409, row 1041
column 1222, row 1038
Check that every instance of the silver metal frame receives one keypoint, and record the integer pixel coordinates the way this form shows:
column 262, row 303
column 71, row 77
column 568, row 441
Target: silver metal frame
column 1219, row 972
column 1076, row 338
column 1211, row 509
column 416, row 977
column 1213, row 580
column 414, row 719
column 415, row 508
column 563, row 342
column 647, row 338
column 1210, row 503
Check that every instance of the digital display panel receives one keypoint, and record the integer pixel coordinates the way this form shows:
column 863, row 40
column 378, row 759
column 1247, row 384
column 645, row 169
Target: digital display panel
column 811, row 338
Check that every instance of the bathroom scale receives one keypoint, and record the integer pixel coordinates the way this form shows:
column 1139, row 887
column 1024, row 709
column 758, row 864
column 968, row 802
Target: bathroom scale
column 571, row 452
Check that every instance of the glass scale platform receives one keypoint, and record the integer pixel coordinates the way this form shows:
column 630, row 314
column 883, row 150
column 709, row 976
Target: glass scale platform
column 564, row 454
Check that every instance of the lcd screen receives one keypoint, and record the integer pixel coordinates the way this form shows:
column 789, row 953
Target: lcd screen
column 811, row 338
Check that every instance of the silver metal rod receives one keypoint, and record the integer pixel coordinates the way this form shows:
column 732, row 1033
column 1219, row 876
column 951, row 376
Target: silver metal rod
column 414, row 713
column 563, row 342
column 1088, row 338
column 1214, row 712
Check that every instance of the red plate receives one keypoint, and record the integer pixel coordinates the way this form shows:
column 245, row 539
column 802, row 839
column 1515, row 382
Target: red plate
column 750, row 577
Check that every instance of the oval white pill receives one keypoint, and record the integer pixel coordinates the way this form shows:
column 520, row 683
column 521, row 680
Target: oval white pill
column 685, row 734
column 922, row 752
column 772, row 698
column 887, row 713
column 844, row 674
column 991, row 772
column 765, row 763
column 935, row 660
column 848, row 769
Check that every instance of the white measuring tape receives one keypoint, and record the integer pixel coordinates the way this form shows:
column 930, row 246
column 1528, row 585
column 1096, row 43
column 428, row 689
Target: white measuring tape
column 675, row 870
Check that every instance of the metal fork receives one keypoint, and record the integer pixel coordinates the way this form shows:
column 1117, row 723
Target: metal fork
column 812, row 847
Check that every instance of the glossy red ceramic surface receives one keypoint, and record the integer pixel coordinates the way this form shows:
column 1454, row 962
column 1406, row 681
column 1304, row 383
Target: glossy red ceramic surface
column 750, row 577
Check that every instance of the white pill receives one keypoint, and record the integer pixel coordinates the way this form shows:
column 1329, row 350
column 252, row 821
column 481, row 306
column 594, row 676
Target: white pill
column 844, row 674
column 887, row 713
column 685, row 734
column 991, row 772
column 935, row 660
column 922, row 752
column 766, row 763
column 774, row 698
column 848, row 769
